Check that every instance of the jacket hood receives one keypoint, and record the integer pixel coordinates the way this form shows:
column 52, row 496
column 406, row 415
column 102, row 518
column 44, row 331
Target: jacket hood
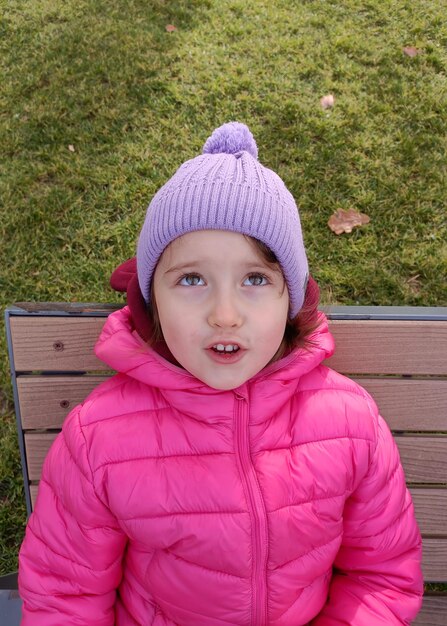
column 121, row 347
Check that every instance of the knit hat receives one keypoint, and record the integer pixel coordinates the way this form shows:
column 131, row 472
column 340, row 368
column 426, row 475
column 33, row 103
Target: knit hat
column 226, row 188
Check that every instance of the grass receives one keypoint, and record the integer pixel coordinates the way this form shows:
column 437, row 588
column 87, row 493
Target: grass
column 135, row 101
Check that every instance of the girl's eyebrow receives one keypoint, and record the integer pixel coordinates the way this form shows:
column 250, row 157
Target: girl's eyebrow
column 253, row 266
column 182, row 266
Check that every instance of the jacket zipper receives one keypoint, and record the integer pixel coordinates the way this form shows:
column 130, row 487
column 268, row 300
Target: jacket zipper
column 257, row 513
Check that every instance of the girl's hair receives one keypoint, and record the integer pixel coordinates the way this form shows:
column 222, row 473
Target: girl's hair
column 298, row 330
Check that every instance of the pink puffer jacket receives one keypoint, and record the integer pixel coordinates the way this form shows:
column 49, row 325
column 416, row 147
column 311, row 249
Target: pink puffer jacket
column 165, row 502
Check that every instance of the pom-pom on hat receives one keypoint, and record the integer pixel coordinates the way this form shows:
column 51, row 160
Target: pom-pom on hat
column 226, row 188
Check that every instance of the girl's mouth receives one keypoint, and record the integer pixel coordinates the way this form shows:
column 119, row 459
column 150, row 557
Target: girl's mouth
column 228, row 349
column 229, row 353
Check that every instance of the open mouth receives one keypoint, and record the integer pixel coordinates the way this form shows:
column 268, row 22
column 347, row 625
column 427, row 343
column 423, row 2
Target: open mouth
column 226, row 352
column 219, row 348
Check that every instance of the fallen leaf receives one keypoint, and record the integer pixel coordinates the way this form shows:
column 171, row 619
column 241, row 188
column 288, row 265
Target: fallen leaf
column 411, row 51
column 344, row 221
column 71, row 148
column 170, row 28
column 327, row 102
column 414, row 284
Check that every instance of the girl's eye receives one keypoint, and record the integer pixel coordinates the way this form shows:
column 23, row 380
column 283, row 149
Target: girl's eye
column 191, row 280
column 256, row 280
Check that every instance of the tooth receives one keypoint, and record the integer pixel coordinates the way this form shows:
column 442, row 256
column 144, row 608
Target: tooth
column 229, row 349
column 220, row 346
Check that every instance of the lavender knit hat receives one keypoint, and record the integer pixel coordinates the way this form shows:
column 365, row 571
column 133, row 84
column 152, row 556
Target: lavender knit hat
column 226, row 188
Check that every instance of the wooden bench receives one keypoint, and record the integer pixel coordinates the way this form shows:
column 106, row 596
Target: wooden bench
column 399, row 354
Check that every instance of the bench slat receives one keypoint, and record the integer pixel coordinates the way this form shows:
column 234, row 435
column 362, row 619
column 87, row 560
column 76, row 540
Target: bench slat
column 363, row 346
column 430, row 506
column 413, row 404
column 434, row 559
column 424, row 458
column 37, row 446
column 434, row 562
column 37, row 343
column 433, row 612
column 406, row 404
column 375, row 347
column 45, row 401
column 434, row 608
column 430, row 509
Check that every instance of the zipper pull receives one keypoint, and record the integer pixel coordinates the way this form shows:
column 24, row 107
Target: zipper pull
column 241, row 393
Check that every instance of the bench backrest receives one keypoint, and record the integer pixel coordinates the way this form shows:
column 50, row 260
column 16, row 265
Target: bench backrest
column 398, row 354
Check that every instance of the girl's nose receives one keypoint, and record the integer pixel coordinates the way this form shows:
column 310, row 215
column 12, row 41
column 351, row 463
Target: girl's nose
column 225, row 313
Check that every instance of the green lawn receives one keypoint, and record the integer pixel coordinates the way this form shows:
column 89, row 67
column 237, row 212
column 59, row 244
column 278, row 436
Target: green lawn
column 135, row 101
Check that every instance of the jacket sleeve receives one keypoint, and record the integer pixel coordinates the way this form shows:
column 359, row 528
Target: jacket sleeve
column 70, row 559
column 377, row 573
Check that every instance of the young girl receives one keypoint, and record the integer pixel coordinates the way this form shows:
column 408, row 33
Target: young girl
column 224, row 476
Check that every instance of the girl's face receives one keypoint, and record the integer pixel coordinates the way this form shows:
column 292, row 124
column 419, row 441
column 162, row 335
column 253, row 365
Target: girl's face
column 222, row 308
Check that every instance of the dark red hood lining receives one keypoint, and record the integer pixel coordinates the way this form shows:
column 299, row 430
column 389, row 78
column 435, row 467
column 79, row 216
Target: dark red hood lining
column 125, row 279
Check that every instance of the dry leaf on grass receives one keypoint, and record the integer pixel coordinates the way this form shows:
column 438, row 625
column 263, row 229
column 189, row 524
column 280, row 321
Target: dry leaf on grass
column 411, row 51
column 170, row 28
column 71, row 148
column 414, row 284
column 344, row 221
column 327, row 102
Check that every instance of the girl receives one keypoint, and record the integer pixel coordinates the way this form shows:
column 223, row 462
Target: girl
column 224, row 476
